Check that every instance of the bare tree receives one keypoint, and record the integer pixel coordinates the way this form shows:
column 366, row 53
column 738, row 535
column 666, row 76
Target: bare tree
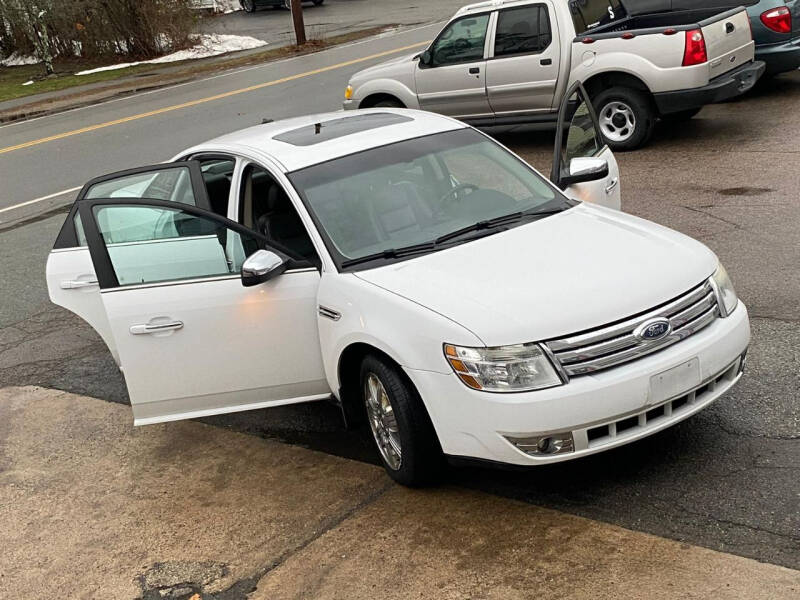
column 299, row 25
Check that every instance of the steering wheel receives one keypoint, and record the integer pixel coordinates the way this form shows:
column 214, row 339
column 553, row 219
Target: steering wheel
column 461, row 44
column 453, row 192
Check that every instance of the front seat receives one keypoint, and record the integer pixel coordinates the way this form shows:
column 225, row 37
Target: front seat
column 282, row 224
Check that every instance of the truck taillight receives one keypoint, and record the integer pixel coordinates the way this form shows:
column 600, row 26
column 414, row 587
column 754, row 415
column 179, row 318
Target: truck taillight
column 778, row 19
column 695, row 52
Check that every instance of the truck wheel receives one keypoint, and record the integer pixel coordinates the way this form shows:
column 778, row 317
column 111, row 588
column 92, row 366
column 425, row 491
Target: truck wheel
column 683, row 115
column 626, row 117
column 388, row 104
column 248, row 5
column 401, row 428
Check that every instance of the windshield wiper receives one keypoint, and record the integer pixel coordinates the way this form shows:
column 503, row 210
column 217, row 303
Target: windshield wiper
column 391, row 253
column 493, row 223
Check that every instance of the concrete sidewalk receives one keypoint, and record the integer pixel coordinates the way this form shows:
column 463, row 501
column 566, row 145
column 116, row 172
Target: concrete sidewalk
column 92, row 508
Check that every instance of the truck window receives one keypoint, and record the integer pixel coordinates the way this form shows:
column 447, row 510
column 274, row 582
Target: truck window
column 461, row 41
column 588, row 14
column 523, row 30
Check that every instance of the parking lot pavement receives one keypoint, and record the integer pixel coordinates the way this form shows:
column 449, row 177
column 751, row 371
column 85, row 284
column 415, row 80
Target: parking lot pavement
column 92, row 508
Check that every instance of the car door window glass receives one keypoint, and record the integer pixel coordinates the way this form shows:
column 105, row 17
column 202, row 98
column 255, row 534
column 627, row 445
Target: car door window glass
column 522, row 31
column 265, row 207
column 174, row 184
column 461, row 41
column 217, row 176
column 150, row 244
column 582, row 138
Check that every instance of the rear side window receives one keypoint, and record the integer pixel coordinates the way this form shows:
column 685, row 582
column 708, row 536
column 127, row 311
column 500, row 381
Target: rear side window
column 523, row 30
column 589, row 14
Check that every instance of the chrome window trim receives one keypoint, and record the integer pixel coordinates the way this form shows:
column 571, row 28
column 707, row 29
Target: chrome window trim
column 157, row 284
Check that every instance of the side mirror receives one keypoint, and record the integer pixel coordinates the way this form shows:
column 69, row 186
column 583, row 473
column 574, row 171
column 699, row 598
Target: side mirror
column 262, row 266
column 582, row 169
column 425, row 58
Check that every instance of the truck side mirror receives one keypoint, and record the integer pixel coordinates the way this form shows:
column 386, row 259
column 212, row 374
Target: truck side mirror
column 425, row 58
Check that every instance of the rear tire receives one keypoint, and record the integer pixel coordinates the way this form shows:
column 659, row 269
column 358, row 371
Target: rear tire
column 248, row 5
column 400, row 425
column 627, row 117
column 679, row 117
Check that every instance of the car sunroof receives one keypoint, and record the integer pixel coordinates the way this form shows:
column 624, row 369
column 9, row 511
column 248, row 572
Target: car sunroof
column 336, row 128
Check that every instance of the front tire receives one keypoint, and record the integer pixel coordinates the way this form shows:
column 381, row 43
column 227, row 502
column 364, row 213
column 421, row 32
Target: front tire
column 401, row 428
column 388, row 103
column 627, row 117
column 248, row 5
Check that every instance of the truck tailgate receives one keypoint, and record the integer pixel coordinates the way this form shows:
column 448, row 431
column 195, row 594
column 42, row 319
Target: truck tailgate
column 729, row 41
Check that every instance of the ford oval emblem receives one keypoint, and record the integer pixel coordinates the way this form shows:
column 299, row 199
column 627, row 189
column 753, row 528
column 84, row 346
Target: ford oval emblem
column 653, row 330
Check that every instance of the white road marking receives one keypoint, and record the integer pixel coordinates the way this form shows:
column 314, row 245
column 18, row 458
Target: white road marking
column 41, row 199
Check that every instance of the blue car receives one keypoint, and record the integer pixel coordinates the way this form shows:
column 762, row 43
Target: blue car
column 775, row 25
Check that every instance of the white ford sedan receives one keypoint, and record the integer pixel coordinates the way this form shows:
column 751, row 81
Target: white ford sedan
column 413, row 270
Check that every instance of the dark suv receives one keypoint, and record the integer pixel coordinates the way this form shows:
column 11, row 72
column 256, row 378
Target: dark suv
column 252, row 5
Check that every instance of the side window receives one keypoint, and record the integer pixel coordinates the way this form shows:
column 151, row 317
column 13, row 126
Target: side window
column 265, row 207
column 171, row 183
column 588, row 14
column 461, row 41
column 151, row 244
column 582, row 138
column 217, row 175
column 523, row 30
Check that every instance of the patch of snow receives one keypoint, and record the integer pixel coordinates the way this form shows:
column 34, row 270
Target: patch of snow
column 28, row 82
column 17, row 60
column 208, row 45
column 219, row 6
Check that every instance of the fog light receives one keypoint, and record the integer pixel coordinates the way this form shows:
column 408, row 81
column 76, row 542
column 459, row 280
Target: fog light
column 546, row 445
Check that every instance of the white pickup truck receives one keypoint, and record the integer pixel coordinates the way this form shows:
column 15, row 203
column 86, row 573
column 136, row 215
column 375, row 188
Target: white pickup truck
column 509, row 62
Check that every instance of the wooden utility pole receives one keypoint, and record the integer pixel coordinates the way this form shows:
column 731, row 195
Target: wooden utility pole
column 299, row 25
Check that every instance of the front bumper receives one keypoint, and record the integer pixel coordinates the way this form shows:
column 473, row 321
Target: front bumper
column 478, row 425
column 780, row 58
column 726, row 86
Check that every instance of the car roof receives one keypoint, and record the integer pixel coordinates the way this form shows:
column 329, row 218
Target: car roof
column 488, row 5
column 304, row 141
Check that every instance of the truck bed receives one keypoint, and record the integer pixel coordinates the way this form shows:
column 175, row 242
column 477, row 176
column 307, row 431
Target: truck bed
column 695, row 18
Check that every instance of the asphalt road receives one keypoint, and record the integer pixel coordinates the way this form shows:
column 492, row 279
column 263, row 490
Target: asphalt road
column 334, row 17
column 727, row 479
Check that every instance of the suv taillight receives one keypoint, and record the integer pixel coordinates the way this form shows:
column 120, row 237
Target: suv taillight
column 695, row 52
column 778, row 19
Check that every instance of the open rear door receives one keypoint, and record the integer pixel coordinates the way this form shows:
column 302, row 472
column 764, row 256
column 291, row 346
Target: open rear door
column 71, row 279
column 583, row 165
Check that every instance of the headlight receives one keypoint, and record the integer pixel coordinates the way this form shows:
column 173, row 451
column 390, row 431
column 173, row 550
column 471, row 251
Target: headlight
column 726, row 295
column 508, row 369
column 348, row 92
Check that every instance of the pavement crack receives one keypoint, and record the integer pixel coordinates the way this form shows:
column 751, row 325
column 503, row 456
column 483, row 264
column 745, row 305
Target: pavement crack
column 716, row 217
column 242, row 588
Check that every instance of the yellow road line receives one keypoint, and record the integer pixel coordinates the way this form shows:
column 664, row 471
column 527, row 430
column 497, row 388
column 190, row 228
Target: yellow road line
column 167, row 109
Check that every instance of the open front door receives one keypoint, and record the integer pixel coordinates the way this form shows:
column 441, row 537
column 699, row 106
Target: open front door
column 193, row 340
column 583, row 165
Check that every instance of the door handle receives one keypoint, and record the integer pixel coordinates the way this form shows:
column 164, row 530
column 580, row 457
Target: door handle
column 76, row 284
column 146, row 328
column 474, row 70
column 546, row 62
column 614, row 183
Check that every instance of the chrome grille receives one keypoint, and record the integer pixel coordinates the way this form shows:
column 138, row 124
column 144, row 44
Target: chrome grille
column 613, row 345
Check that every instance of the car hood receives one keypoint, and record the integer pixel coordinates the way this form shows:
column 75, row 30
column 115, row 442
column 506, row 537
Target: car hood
column 387, row 68
column 583, row 268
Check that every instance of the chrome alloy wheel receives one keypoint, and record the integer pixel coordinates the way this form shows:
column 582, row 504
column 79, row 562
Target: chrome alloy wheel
column 617, row 121
column 383, row 422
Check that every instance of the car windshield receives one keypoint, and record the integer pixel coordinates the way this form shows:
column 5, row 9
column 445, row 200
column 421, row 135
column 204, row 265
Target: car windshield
column 413, row 196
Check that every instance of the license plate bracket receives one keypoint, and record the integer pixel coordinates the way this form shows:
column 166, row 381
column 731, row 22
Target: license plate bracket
column 675, row 381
